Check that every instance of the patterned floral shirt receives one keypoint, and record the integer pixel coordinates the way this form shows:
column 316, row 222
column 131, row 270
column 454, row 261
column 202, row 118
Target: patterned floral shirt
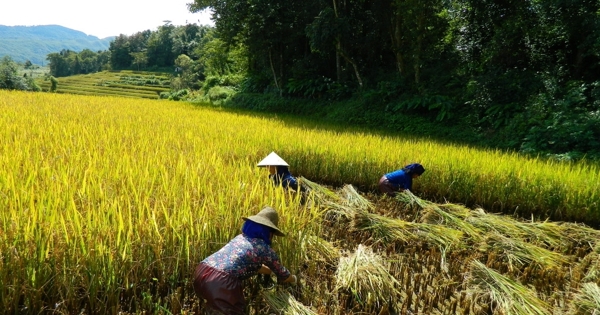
column 243, row 256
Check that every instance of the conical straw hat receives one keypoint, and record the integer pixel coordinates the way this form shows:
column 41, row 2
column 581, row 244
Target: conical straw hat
column 272, row 160
column 267, row 217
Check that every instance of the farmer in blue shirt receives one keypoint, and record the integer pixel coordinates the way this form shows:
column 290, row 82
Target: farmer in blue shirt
column 400, row 180
column 279, row 172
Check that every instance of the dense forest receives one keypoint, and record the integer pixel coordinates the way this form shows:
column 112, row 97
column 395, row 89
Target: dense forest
column 523, row 75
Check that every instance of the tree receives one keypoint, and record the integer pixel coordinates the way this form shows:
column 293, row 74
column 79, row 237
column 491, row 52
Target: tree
column 9, row 75
column 160, row 47
column 58, row 64
column 120, row 50
column 139, row 59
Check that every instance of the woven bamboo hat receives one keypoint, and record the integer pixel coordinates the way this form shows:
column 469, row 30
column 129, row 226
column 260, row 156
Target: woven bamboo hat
column 272, row 160
column 268, row 217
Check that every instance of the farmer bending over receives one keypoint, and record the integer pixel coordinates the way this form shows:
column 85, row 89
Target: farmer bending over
column 397, row 181
column 218, row 278
column 279, row 172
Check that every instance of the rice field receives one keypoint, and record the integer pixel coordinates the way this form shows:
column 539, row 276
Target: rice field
column 124, row 83
column 107, row 204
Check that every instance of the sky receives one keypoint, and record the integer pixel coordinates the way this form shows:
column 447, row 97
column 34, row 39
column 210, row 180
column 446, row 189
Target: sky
column 102, row 18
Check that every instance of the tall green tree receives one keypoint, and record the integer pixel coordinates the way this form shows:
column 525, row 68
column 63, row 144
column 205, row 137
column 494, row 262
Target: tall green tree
column 120, row 52
column 159, row 47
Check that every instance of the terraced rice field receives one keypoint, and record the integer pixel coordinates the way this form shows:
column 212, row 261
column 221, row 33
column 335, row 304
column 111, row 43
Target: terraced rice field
column 131, row 84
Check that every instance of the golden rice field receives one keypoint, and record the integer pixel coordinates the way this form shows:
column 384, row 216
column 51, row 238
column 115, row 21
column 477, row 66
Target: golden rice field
column 107, row 204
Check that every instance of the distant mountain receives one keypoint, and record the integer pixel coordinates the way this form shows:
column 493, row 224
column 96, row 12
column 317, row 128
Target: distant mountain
column 34, row 43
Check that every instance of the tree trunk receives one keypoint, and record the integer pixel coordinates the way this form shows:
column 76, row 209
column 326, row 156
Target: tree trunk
column 273, row 71
column 397, row 43
column 354, row 65
column 419, row 47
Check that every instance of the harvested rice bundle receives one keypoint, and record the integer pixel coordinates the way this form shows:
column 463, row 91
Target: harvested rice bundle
column 593, row 272
column 320, row 193
column 433, row 214
column 285, row 303
column 355, row 200
column 520, row 253
column 318, row 249
column 586, row 301
column 331, row 202
column 365, row 275
column 508, row 296
column 411, row 200
column 385, row 229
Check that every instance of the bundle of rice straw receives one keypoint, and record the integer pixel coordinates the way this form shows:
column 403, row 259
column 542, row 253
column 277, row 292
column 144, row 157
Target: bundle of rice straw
column 285, row 303
column 329, row 200
column 385, row 229
column 353, row 199
column 587, row 301
column 508, row 296
column 318, row 249
column 366, row 276
column 520, row 253
column 591, row 262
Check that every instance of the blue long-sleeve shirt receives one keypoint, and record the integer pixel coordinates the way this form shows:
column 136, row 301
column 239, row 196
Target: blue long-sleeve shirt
column 400, row 179
column 285, row 178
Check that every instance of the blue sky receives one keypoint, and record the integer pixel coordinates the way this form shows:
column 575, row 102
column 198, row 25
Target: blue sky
column 100, row 18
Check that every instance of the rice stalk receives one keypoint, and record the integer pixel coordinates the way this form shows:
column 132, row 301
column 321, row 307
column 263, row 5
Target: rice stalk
column 366, row 276
column 354, row 199
column 285, row 303
column 320, row 193
column 508, row 296
column 385, row 229
column 408, row 198
column 586, row 301
column 593, row 272
column 318, row 249
column 437, row 215
column 520, row 253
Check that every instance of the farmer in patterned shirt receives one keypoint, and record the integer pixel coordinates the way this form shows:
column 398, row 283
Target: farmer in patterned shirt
column 218, row 278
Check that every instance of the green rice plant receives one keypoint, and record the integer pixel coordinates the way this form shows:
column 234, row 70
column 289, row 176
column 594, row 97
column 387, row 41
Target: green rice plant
column 285, row 303
column 586, row 301
column 506, row 295
column 365, row 275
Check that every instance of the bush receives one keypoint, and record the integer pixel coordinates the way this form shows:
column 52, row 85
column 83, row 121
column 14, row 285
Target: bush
column 175, row 95
column 218, row 94
column 566, row 123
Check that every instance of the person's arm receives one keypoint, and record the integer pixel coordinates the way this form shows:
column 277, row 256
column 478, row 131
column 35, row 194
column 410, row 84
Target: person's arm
column 267, row 271
column 264, row 270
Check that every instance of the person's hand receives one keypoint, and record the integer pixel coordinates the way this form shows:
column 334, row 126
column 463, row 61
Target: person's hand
column 293, row 279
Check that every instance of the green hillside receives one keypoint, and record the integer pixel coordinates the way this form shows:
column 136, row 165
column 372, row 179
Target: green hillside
column 33, row 43
column 136, row 84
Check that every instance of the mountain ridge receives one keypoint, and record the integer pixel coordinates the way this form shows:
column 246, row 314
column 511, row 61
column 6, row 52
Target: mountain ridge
column 34, row 43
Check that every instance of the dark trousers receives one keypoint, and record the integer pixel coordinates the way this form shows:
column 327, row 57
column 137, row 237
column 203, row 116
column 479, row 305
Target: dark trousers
column 222, row 292
column 386, row 187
